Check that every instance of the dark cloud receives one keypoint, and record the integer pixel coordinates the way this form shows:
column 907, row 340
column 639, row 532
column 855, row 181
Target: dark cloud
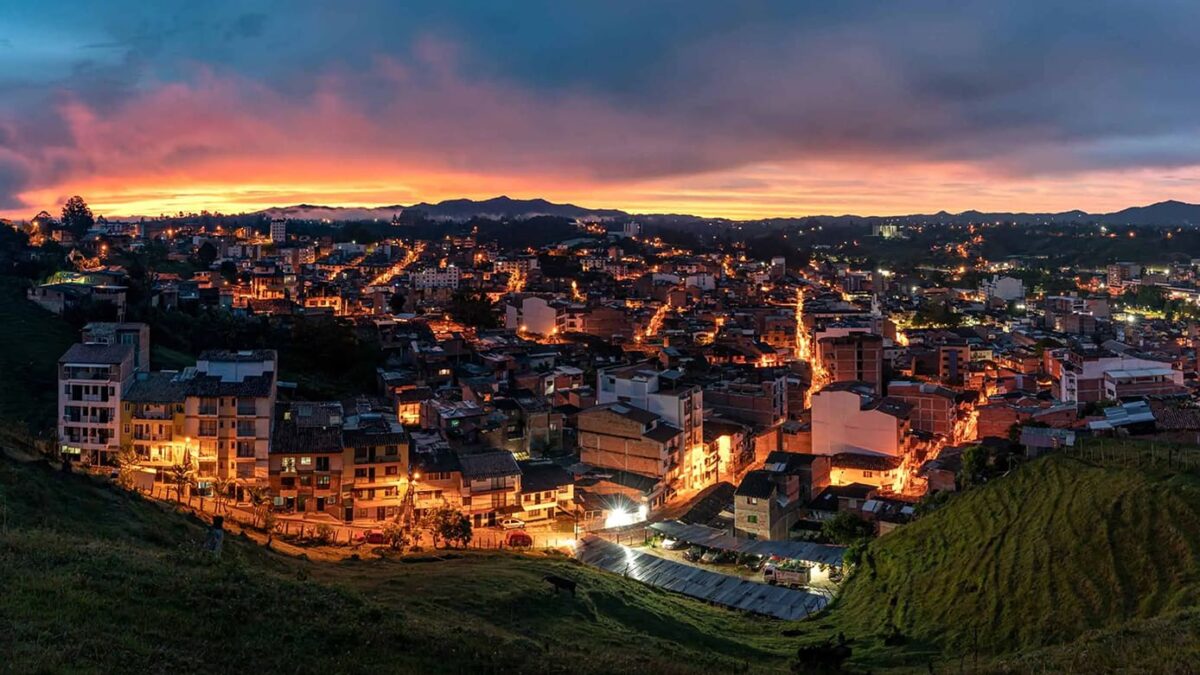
column 622, row 91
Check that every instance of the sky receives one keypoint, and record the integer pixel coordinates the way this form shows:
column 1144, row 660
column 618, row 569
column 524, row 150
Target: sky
column 733, row 109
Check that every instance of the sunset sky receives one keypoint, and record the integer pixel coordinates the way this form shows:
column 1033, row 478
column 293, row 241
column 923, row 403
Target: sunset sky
column 739, row 109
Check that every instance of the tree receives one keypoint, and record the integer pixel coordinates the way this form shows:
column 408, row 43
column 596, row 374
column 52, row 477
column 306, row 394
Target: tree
column 447, row 524
column 845, row 528
column 77, row 217
column 260, row 500
column 229, row 271
column 396, row 303
column 472, row 308
column 974, row 469
column 221, row 488
column 127, row 467
column 180, row 475
column 206, row 255
column 396, row 535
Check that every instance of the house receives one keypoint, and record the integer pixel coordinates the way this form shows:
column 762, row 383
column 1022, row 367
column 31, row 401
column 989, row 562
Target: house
column 769, row 500
column 306, row 458
column 547, row 491
column 491, row 486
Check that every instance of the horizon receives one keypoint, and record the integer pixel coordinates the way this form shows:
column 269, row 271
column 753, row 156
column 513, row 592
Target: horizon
column 731, row 112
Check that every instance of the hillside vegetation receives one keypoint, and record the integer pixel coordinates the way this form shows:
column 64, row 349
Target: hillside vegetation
column 96, row 580
column 1057, row 550
column 1063, row 565
column 31, row 341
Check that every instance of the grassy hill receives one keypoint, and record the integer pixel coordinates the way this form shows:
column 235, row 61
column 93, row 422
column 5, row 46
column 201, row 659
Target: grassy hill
column 1059, row 549
column 1064, row 565
column 31, row 340
column 97, row 580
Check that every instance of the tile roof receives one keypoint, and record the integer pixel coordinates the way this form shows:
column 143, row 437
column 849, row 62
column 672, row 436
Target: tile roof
column 97, row 353
column 489, row 464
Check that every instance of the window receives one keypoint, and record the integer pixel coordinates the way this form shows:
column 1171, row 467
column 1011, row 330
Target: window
column 323, row 481
column 306, row 462
column 360, row 473
column 391, row 471
column 751, row 500
column 322, row 464
column 287, row 464
column 866, row 474
column 208, row 428
column 245, row 448
column 753, row 520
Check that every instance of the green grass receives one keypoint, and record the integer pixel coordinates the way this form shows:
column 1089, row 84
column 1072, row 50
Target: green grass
column 1064, row 565
column 1057, row 549
column 96, row 580
column 31, row 341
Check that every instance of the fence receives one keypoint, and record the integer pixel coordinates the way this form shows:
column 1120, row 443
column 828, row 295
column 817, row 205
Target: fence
column 1142, row 454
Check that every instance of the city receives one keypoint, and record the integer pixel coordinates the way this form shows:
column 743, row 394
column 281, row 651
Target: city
column 252, row 419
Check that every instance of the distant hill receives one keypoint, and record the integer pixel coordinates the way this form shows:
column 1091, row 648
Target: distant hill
column 1168, row 213
column 498, row 208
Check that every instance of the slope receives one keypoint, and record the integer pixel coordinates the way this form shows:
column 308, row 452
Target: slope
column 1056, row 549
column 98, row 580
column 31, row 340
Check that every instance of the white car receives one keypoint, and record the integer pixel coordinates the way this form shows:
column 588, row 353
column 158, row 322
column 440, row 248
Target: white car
column 512, row 523
column 672, row 544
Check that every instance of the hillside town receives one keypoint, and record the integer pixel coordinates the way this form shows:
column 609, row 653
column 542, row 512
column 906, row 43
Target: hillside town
column 605, row 379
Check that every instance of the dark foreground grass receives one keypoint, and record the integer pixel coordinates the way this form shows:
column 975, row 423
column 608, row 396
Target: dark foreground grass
column 1062, row 566
column 31, row 341
column 96, row 580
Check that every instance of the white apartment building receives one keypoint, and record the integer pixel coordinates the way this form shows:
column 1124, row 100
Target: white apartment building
column 847, row 417
column 92, row 377
column 433, row 277
column 278, row 231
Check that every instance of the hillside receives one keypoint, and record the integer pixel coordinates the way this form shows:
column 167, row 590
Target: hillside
column 1061, row 566
column 31, row 340
column 98, row 581
column 1039, row 558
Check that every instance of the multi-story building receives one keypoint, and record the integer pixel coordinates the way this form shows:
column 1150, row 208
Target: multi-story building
column 768, row 501
column 757, row 397
column 621, row 437
column 847, row 417
column 228, row 407
column 436, row 277
column 377, row 452
column 278, row 230
column 857, row 357
column 535, row 314
column 1083, row 375
column 92, row 379
column 136, row 335
column 152, row 421
column 307, row 458
column 491, row 486
column 934, row 408
column 662, row 393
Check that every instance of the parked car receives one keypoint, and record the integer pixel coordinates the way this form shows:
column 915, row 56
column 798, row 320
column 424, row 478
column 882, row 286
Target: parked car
column 693, row 554
column 714, row 556
column 375, row 537
column 518, row 539
column 752, row 562
column 672, row 544
column 512, row 524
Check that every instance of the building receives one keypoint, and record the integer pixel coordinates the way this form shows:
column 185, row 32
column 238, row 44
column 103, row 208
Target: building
column 934, row 408
column 306, row 458
column 547, row 491
column 619, row 436
column 535, row 314
column 1003, row 288
column 229, row 405
column 375, row 474
column 92, row 379
column 758, row 398
column 953, row 359
column 278, row 231
column 661, row 393
column 847, row 417
column 491, row 487
column 1085, row 376
column 857, row 357
column 136, row 335
column 435, row 277
column 768, row 501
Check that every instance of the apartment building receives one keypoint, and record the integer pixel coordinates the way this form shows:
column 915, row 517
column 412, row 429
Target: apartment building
column 307, row 458
column 491, row 486
column 856, row 357
column 847, row 417
column 134, row 334
column 377, row 452
column 934, row 408
column 662, row 393
column 228, row 409
column 622, row 437
column 92, row 379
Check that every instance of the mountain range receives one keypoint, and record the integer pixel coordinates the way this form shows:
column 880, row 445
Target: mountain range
column 1171, row 213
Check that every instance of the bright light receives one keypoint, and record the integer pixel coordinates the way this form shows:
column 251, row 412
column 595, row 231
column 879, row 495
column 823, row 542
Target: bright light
column 620, row 517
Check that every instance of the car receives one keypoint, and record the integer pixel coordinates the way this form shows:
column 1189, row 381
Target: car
column 693, row 554
column 518, row 539
column 716, row 556
column 672, row 544
column 375, row 537
column 512, row 524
